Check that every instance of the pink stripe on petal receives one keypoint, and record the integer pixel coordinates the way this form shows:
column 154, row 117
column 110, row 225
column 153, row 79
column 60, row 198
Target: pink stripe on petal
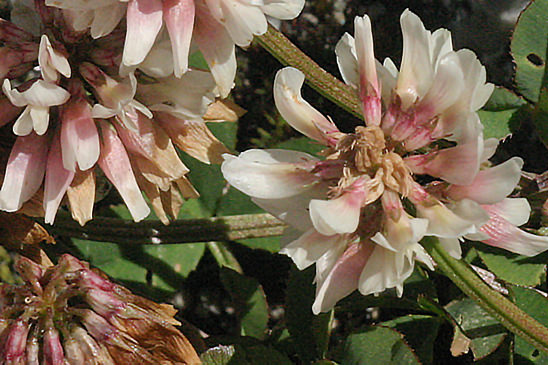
column 343, row 278
column 179, row 19
column 456, row 165
column 24, row 171
column 58, row 180
column 507, row 236
column 144, row 21
column 115, row 163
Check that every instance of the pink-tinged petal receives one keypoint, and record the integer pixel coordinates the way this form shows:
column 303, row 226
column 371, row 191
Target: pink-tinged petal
column 283, row 9
column 53, row 350
column 491, row 185
column 24, row 171
column 442, row 222
column 79, row 136
column 298, row 112
column 58, row 180
column 339, row 215
column 343, row 278
column 310, row 246
column 152, row 142
column 243, row 21
column 506, row 235
column 114, row 162
column 15, row 342
column 216, row 47
column 270, row 174
column 456, row 165
column 179, row 19
column 515, row 210
column 370, row 92
column 447, row 86
column 144, row 21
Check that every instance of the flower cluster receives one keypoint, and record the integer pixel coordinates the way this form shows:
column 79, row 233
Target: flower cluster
column 418, row 167
column 84, row 89
column 70, row 314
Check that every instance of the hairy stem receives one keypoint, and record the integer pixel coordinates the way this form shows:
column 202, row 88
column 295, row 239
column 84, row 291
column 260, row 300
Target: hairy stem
column 122, row 231
column 498, row 306
column 326, row 84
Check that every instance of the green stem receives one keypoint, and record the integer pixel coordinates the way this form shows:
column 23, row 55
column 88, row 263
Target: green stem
column 498, row 306
column 122, row 231
column 322, row 81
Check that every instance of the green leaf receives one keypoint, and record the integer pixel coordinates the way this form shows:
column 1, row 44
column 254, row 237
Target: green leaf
column 197, row 60
column 219, row 355
column 377, row 345
column 511, row 267
column 485, row 333
column 499, row 124
column 249, row 300
column 529, row 49
column 420, row 332
column 158, row 267
column 309, row 332
column 503, row 99
column 534, row 304
column 302, row 144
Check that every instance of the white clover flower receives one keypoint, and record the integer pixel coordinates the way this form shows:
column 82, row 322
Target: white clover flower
column 360, row 212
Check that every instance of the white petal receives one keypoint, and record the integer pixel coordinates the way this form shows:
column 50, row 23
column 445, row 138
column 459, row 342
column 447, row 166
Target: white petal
column 40, row 119
column 297, row 111
column 23, row 125
column 347, row 60
column 444, row 223
column 339, row 215
column 268, row 180
column 294, row 210
column 309, row 247
column 283, row 9
column 243, row 21
column 491, row 185
column 452, row 246
column 416, row 71
column 106, row 18
column 144, row 21
column 102, row 112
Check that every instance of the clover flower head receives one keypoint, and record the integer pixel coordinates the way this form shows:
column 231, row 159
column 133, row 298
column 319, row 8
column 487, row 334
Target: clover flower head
column 418, row 167
column 78, row 114
column 69, row 313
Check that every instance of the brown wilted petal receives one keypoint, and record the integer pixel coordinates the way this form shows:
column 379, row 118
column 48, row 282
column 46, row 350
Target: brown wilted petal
column 81, row 196
column 193, row 137
column 224, row 111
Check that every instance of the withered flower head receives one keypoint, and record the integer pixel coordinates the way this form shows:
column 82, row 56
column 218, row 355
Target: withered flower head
column 71, row 314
